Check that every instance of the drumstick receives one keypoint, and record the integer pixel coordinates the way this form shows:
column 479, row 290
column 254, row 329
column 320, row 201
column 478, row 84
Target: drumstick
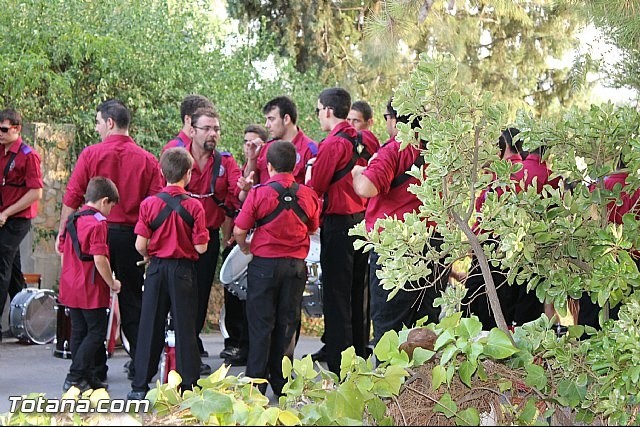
column 143, row 262
column 111, row 309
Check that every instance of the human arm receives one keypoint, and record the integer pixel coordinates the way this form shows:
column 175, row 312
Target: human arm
column 64, row 216
column 227, row 232
column 240, row 235
column 31, row 196
column 104, row 268
column 251, row 152
column 361, row 184
column 141, row 246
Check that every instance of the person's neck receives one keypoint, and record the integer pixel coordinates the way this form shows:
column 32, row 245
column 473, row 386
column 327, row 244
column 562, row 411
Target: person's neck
column 8, row 144
column 117, row 132
column 94, row 205
column 200, row 153
column 335, row 122
column 290, row 133
column 177, row 184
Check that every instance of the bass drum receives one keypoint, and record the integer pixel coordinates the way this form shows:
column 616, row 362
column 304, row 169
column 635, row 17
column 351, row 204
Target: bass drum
column 32, row 315
column 233, row 273
column 312, row 296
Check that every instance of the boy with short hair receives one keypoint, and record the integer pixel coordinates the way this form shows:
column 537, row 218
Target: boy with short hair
column 172, row 233
column 85, row 293
column 284, row 214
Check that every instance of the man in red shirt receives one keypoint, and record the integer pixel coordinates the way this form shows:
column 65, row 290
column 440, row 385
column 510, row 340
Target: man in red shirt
column 385, row 182
column 283, row 213
column 20, row 189
column 85, row 293
column 136, row 174
column 281, row 116
column 345, row 299
column 190, row 104
column 172, row 237
column 214, row 182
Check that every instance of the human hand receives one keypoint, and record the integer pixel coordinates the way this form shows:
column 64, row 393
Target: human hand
column 116, row 286
column 252, row 148
column 245, row 183
column 3, row 219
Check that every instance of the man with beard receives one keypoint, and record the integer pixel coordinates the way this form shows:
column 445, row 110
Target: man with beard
column 214, row 182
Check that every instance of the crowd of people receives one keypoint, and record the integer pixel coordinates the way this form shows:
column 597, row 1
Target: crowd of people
column 123, row 208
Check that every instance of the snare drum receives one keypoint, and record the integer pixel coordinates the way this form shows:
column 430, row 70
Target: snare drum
column 33, row 315
column 233, row 273
column 62, row 348
column 312, row 296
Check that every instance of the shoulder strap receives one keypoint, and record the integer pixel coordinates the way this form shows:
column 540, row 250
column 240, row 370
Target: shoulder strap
column 403, row 177
column 73, row 233
column 7, row 169
column 287, row 199
column 217, row 162
column 172, row 204
column 359, row 152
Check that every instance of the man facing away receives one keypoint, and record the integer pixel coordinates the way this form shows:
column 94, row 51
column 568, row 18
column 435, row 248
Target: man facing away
column 136, row 174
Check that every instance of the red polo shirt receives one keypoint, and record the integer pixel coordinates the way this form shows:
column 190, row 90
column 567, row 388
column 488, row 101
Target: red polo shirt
column 226, row 188
column 23, row 174
column 534, row 167
column 135, row 172
column 174, row 238
column 181, row 140
column 286, row 236
column 390, row 163
column 628, row 202
column 81, row 286
column 306, row 149
column 334, row 154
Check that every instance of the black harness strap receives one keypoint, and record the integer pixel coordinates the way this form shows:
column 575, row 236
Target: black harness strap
column 73, row 233
column 172, row 204
column 7, row 169
column 359, row 152
column 217, row 162
column 287, row 199
column 402, row 178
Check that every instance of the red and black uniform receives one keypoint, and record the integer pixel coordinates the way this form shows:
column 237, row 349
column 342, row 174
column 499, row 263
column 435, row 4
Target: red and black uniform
column 345, row 297
column 217, row 204
column 276, row 274
column 169, row 285
column 387, row 172
column 306, row 149
column 19, row 173
column 136, row 174
column 86, row 294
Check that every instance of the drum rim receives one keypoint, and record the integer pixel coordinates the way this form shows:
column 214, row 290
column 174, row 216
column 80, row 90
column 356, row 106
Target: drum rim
column 32, row 293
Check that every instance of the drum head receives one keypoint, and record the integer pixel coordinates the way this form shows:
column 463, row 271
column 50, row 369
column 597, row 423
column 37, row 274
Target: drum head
column 33, row 315
column 234, row 266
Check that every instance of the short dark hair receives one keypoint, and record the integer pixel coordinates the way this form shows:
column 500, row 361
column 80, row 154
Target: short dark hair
column 282, row 156
column 338, row 99
column 175, row 163
column 191, row 103
column 506, row 140
column 415, row 124
column 364, row 108
column 12, row 116
column 206, row 112
column 285, row 105
column 115, row 110
column 259, row 130
column 100, row 187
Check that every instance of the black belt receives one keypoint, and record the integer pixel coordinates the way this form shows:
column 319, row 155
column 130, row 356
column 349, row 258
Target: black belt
column 121, row 227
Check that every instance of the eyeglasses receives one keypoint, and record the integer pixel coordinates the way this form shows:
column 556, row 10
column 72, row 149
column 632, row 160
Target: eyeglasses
column 323, row 108
column 386, row 116
column 207, row 129
column 5, row 129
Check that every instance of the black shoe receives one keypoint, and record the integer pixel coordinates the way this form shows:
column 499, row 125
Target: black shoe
column 239, row 359
column 204, row 353
column 95, row 384
column 320, row 355
column 136, row 395
column 229, row 351
column 205, row 369
column 81, row 385
column 130, row 370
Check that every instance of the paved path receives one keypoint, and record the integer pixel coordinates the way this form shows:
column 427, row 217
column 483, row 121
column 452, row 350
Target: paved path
column 29, row 368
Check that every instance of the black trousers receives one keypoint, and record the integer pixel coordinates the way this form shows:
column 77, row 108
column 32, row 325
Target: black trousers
column 169, row 285
column 274, row 298
column 406, row 307
column 205, row 272
column 345, row 298
column 123, row 257
column 88, row 334
column 11, row 278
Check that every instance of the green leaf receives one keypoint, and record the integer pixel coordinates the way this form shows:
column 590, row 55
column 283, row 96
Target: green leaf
column 572, row 392
column 466, row 370
column 421, row 355
column 529, row 412
column 498, row 345
column 438, row 376
column 536, row 376
column 446, row 406
column 468, row 417
column 469, row 327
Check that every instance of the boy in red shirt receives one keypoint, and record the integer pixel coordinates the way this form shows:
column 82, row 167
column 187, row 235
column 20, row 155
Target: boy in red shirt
column 284, row 214
column 85, row 252
column 172, row 233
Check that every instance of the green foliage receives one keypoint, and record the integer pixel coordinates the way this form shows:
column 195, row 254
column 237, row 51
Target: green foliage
column 60, row 59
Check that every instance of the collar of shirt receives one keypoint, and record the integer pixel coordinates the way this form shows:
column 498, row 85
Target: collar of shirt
column 341, row 127
column 285, row 178
column 299, row 138
column 174, row 190
column 514, row 158
column 118, row 139
column 15, row 146
column 185, row 138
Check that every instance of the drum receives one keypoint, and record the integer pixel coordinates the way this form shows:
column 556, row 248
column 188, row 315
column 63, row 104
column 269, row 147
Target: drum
column 233, row 273
column 62, row 348
column 32, row 315
column 312, row 296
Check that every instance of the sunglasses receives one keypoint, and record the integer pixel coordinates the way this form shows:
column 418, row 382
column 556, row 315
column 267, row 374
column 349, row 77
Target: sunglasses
column 322, row 109
column 5, row 129
column 386, row 116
